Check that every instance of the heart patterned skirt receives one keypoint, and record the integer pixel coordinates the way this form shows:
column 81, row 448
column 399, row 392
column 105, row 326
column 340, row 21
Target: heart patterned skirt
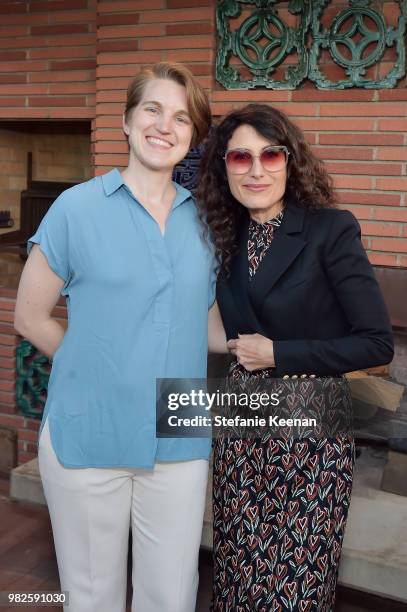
column 280, row 509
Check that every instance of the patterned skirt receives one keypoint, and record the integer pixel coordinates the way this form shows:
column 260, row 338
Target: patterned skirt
column 280, row 509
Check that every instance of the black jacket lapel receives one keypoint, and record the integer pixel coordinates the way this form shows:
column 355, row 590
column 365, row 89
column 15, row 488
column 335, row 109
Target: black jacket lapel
column 247, row 297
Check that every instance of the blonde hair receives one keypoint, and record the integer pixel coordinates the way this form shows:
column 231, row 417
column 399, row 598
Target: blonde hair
column 197, row 100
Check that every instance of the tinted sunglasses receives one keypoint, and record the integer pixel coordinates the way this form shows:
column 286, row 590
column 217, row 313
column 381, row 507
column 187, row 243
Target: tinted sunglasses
column 240, row 161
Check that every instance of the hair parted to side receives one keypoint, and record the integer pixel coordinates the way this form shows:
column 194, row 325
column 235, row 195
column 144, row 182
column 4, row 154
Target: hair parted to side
column 197, row 100
column 308, row 183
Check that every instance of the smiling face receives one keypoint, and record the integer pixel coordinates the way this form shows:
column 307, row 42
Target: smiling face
column 259, row 191
column 159, row 128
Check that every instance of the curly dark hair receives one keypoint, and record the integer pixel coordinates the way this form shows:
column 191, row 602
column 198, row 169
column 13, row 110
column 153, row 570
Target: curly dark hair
column 308, row 183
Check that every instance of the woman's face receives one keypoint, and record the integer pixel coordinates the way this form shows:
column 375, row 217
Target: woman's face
column 160, row 128
column 259, row 191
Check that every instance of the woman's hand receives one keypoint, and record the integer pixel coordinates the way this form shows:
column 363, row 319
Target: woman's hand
column 253, row 351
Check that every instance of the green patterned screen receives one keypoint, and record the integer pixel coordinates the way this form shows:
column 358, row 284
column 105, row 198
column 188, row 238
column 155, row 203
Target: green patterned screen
column 277, row 45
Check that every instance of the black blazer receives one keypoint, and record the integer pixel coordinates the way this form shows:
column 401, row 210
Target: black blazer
column 314, row 294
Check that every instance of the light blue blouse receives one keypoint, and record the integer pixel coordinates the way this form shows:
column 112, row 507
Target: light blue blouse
column 137, row 309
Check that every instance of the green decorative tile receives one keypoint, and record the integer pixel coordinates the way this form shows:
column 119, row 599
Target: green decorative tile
column 261, row 43
column 32, row 370
column 363, row 32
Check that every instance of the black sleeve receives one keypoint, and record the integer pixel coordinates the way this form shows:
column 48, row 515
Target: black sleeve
column 370, row 341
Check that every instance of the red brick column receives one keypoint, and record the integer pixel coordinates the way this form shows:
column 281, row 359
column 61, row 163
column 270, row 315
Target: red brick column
column 10, row 415
column 47, row 59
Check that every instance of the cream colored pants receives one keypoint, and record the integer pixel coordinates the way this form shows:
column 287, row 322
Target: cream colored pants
column 91, row 512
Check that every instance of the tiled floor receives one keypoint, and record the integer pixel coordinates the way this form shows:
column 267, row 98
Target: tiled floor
column 27, row 561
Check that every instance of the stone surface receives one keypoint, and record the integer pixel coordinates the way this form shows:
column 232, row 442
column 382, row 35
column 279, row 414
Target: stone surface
column 394, row 475
column 374, row 554
column 25, row 483
column 398, row 367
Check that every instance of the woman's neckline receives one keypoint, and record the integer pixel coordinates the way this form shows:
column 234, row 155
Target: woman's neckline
column 276, row 220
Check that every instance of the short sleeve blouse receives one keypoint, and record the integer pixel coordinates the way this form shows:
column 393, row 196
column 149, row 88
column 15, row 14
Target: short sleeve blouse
column 138, row 307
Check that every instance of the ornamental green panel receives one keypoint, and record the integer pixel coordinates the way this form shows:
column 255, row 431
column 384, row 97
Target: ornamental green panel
column 363, row 31
column 33, row 370
column 260, row 44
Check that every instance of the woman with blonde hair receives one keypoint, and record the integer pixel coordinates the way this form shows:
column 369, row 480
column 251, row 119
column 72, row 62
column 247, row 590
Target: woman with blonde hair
column 125, row 250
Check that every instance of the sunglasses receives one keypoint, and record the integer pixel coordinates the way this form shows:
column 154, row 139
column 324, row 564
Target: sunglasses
column 240, row 161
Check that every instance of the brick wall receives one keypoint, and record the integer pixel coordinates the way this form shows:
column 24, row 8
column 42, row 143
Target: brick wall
column 47, row 59
column 361, row 134
column 56, row 157
column 49, row 49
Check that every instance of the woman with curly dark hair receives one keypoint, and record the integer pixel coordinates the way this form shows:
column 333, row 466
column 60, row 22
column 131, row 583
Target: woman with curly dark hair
column 299, row 303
